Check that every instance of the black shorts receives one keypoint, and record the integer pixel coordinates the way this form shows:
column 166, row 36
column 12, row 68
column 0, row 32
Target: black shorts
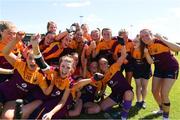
column 145, row 75
column 173, row 74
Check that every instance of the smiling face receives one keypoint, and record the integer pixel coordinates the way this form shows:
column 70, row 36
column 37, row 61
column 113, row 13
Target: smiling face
column 85, row 28
column 67, row 41
column 93, row 67
column 124, row 35
column 30, row 61
column 66, row 66
column 103, row 65
column 95, row 35
column 79, row 36
column 50, row 37
column 146, row 36
column 107, row 34
column 51, row 27
column 9, row 34
column 7, row 30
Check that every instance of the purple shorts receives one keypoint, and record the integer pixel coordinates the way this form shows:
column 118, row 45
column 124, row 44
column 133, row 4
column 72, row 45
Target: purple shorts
column 48, row 105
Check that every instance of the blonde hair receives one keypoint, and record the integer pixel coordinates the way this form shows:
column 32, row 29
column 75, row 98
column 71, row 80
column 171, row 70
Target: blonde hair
column 50, row 23
column 5, row 25
column 146, row 31
column 67, row 58
column 122, row 31
column 104, row 60
column 106, row 29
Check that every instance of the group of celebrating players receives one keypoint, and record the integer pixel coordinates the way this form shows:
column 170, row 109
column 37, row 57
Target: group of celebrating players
column 62, row 75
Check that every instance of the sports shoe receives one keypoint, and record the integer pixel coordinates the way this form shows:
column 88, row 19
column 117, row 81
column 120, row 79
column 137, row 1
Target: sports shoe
column 143, row 105
column 157, row 112
column 138, row 104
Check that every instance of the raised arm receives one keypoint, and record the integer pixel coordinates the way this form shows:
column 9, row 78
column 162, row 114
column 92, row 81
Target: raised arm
column 95, row 50
column 84, row 61
column 173, row 46
column 121, row 59
column 61, row 35
column 37, row 54
column 92, row 47
column 94, row 53
column 11, row 57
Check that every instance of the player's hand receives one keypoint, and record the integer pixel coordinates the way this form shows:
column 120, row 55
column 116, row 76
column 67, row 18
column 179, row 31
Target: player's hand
column 35, row 39
column 120, row 40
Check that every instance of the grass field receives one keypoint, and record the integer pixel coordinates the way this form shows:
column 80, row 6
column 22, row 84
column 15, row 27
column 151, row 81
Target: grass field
column 151, row 104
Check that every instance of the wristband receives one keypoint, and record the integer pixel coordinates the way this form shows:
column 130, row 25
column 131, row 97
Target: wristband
column 41, row 63
column 37, row 56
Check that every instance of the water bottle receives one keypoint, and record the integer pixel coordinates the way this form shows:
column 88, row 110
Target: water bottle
column 18, row 109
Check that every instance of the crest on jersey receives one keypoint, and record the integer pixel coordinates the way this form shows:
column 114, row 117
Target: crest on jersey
column 24, row 85
column 58, row 92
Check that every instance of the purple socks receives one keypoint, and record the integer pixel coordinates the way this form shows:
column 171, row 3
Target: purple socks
column 126, row 107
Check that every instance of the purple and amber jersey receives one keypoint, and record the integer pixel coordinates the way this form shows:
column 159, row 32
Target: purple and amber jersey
column 42, row 46
column 115, row 79
column 117, row 51
column 129, row 45
column 106, row 50
column 89, row 91
column 22, row 82
column 104, row 45
column 137, row 60
column 87, row 37
column 3, row 43
column 4, row 63
column 141, row 68
column 60, row 83
column 32, row 77
column 110, row 73
column 97, row 84
column 129, row 48
column 163, row 59
column 73, row 44
column 53, row 51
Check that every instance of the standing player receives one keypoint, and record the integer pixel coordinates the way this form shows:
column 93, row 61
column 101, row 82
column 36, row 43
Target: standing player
column 129, row 46
column 166, row 68
column 141, row 70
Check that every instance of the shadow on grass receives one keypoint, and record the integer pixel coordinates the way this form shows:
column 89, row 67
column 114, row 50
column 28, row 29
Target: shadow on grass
column 113, row 113
column 134, row 111
column 150, row 116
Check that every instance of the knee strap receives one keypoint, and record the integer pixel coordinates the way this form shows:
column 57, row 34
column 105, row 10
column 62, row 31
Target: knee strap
column 166, row 107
